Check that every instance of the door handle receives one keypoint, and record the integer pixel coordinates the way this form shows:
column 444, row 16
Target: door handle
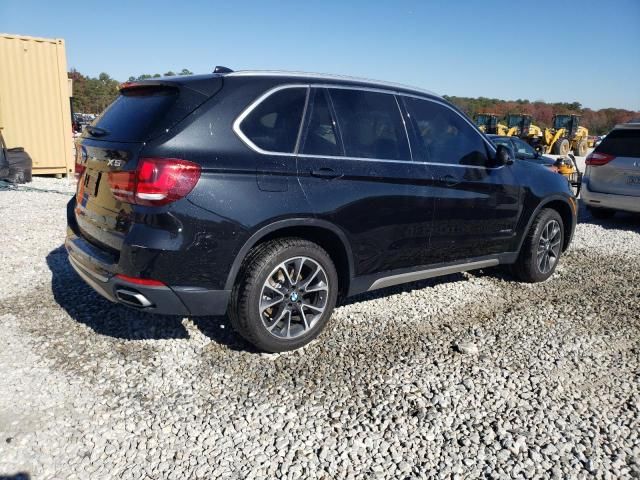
column 328, row 173
column 449, row 180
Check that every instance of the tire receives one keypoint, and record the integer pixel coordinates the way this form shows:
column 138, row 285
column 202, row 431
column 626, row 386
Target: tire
column 601, row 213
column 529, row 267
column 582, row 148
column 561, row 147
column 269, row 275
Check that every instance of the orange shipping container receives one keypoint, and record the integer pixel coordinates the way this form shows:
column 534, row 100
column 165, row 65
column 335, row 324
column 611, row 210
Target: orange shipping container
column 35, row 110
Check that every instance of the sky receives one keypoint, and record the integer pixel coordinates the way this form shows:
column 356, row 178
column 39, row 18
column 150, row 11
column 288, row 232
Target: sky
column 558, row 51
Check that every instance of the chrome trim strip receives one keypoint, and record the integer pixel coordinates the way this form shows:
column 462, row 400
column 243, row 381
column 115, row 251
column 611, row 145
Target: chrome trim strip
column 265, row 95
column 326, row 76
column 432, row 272
column 251, row 107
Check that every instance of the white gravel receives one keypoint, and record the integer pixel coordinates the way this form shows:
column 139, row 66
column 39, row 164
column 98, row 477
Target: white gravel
column 469, row 376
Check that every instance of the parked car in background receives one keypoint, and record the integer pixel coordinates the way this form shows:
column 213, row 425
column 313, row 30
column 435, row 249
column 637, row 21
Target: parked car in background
column 612, row 178
column 521, row 150
column 270, row 195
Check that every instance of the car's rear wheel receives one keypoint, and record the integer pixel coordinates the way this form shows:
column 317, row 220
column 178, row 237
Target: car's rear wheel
column 285, row 294
column 542, row 248
column 601, row 213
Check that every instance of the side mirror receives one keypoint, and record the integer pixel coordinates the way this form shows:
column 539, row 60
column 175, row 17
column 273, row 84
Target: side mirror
column 503, row 156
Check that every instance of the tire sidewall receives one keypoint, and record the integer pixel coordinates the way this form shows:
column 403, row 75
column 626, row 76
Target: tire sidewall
column 545, row 217
column 267, row 340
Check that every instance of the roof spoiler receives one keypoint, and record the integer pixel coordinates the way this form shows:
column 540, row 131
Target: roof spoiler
column 145, row 84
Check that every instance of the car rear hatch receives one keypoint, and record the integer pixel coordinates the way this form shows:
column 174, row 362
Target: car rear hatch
column 110, row 149
column 614, row 166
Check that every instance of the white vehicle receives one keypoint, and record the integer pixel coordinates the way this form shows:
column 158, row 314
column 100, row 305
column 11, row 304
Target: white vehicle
column 612, row 179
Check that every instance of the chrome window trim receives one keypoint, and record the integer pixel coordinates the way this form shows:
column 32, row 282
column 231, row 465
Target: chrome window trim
column 469, row 122
column 265, row 95
column 252, row 106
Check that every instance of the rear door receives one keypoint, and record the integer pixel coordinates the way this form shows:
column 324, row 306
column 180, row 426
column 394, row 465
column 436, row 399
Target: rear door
column 356, row 170
column 477, row 207
column 621, row 174
column 111, row 145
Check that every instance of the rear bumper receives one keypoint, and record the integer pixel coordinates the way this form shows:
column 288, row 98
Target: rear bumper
column 97, row 272
column 626, row 203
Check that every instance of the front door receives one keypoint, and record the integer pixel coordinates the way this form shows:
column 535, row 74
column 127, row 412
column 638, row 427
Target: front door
column 476, row 206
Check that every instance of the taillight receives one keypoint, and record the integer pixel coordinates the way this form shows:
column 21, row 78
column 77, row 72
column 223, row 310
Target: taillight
column 597, row 158
column 80, row 164
column 147, row 282
column 155, row 182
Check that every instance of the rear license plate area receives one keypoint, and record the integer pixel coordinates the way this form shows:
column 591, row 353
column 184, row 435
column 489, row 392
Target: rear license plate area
column 633, row 180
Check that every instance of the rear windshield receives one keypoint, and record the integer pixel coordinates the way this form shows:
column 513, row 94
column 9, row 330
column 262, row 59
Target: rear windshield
column 140, row 114
column 621, row 143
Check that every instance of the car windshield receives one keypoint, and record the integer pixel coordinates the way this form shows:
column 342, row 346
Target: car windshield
column 502, row 141
column 524, row 150
column 482, row 119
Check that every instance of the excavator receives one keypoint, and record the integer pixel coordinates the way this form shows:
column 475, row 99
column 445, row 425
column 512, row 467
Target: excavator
column 489, row 123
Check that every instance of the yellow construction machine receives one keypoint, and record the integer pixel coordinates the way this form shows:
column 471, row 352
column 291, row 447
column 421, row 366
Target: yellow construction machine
column 489, row 123
column 520, row 125
column 565, row 135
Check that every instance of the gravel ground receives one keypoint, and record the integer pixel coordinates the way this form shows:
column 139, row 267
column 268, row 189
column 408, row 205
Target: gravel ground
column 468, row 376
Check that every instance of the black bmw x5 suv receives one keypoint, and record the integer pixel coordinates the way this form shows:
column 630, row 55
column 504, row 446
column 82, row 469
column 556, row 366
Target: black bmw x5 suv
column 270, row 195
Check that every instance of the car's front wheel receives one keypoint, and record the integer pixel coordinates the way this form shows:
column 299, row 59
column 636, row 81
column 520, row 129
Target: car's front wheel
column 542, row 247
column 285, row 294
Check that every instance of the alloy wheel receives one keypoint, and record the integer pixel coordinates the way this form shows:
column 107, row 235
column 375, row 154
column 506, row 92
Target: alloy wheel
column 293, row 297
column 549, row 246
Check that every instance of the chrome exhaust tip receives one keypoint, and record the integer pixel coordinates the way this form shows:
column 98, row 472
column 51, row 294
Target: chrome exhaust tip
column 132, row 297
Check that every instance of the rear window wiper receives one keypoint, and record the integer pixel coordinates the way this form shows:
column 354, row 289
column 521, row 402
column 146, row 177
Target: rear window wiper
column 96, row 131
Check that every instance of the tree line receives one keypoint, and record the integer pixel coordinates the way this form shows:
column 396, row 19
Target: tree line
column 94, row 94
column 599, row 122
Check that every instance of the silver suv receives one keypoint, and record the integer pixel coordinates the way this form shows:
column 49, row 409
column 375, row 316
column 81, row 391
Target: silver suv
column 612, row 179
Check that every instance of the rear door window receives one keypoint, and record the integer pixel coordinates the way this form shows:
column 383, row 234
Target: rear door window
column 274, row 124
column 444, row 136
column 370, row 124
column 321, row 137
column 621, row 143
